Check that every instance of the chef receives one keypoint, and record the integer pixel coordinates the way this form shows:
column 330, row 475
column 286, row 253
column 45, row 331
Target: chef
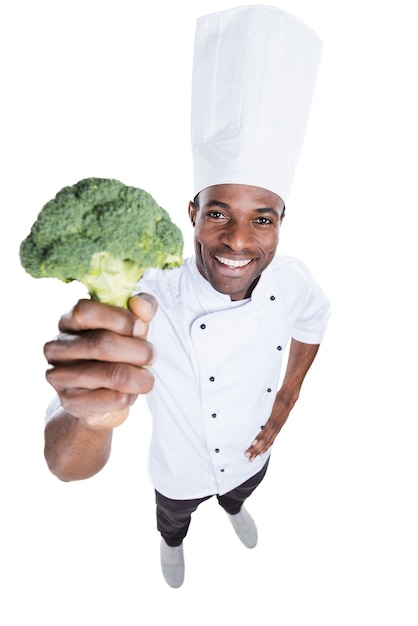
column 225, row 318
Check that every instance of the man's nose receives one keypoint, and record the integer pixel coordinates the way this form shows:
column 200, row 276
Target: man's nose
column 237, row 235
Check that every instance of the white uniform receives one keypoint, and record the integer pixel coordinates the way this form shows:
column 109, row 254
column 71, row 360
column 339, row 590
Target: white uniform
column 218, row 370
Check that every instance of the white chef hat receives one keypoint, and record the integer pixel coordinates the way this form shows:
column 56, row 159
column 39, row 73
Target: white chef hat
column 254, row 72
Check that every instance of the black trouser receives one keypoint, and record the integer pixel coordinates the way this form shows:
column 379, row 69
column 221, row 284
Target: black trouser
column 174, row 516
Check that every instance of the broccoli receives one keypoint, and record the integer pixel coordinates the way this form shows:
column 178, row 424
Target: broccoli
column 103, row 234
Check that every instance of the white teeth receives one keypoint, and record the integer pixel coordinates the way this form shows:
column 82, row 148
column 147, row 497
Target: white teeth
column 232, row 262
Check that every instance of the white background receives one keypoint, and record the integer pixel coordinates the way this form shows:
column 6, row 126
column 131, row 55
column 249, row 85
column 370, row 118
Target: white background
column 93, row 88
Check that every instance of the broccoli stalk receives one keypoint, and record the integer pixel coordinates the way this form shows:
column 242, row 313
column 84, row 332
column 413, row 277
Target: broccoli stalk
column 103, row 234
column 111, row 280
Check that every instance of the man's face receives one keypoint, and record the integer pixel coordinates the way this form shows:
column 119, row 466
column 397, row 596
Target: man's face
column 236, row 235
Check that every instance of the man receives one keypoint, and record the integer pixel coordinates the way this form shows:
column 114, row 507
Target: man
column 205, row 342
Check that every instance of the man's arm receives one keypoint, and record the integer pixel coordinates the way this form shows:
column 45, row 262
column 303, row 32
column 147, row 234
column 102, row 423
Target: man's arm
column 98, row 370
column 73, row 451
column 301, row 357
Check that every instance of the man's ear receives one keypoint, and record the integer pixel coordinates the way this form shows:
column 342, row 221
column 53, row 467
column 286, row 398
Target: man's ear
column 192, row 213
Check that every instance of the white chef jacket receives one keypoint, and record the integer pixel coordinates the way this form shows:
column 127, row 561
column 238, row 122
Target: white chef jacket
column 218, row 369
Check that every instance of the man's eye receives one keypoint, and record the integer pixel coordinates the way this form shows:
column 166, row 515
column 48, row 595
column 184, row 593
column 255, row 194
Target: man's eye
column 215, row 214
column 263, row 220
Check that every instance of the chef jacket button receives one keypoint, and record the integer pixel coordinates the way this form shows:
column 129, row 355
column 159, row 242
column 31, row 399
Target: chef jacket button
column 216, row 450
column 214, row 415
column 269, row 390
column 222, row 470
column 212, row 378
column 279, row 348
column 203, row 326
column 272, row 297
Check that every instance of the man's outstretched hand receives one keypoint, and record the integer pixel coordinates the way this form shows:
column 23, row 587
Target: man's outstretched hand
column 99, row 361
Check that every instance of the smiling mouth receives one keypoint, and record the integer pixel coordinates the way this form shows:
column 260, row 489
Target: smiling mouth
column 233, row 262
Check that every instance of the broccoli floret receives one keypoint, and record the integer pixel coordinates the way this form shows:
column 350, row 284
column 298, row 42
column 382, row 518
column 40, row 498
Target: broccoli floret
column 103, row 234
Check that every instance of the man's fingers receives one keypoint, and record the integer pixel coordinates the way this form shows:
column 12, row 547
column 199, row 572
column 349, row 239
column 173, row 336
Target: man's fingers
column 261, row 444
column 96, row 375
column 144, row 307
column 100, row 359
column 105, row 421
column 102, row 407
column 91, row 314
column 99, row 345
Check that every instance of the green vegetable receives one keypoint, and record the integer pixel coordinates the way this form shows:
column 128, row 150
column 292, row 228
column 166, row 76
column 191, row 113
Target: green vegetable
column 103, row 234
